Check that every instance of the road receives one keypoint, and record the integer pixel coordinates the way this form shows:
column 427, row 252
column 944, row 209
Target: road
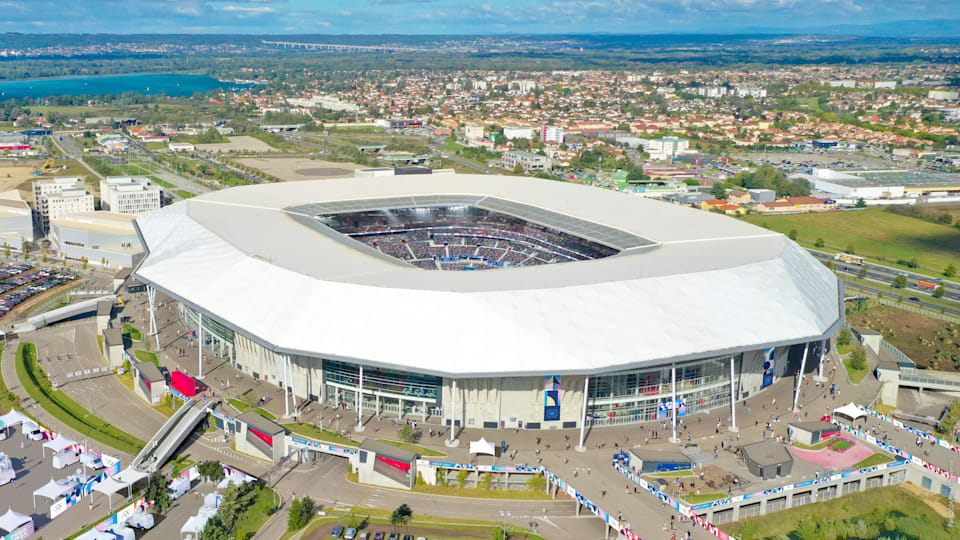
column 886, row 275
column 70, row 148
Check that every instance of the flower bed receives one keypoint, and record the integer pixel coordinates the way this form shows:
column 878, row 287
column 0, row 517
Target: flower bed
column 841, row 446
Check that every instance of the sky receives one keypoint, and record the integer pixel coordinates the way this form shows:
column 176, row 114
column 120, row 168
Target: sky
column 457, row 16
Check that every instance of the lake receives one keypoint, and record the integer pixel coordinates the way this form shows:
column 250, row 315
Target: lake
column 172, row 84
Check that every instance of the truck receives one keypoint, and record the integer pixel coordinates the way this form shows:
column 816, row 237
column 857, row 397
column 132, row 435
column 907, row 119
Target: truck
column 65, row 459
column 140, row 520
column 7, row 473
column 929, row 284
column 178, row 488
column 848, row 258
column 32, row 431
column 89, row 459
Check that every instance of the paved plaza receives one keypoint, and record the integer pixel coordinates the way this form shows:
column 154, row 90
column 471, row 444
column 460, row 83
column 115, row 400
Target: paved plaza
column 67, row 347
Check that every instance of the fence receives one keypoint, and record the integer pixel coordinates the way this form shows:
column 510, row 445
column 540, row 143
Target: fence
column 921, row 311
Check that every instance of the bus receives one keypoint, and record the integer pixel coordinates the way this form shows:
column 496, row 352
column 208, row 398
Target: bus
column 848, row 258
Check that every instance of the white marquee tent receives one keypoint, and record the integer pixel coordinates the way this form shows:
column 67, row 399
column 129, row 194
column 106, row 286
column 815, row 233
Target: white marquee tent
column 849, row 412
column 58, row 445
column 13, row 418
column 109, row 486
column 130, row 476
column 53, row 490
column 12, row 521
column 482, row 447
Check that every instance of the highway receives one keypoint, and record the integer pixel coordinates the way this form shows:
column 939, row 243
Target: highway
column 886, row 275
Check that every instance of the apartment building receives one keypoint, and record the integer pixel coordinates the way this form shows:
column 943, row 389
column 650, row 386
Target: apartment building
column 59, row 196
column 134, row 195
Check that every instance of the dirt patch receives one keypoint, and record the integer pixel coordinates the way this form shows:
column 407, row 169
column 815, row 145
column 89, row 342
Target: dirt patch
column 931, row 343
column 242, row 143
column 19, row 177
column 932, row 499
column 293, row 169
column 709, row 479
column 323, row 172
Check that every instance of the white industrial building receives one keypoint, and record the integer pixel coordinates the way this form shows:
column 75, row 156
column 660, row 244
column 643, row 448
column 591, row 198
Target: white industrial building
column 16, row 221
column 632, row 309
column 518, row 132
column 322, row 101
column 104, row 238
column 134, row 195
column 847, row 186
column 754, row 92
column 528, row 160
column 474, row 132
column 943, row 95
column 59, row 196
column 658, row 149
column 551, row 134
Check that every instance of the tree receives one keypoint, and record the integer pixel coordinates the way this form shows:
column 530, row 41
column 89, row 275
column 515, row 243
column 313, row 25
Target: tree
column 843, row 337
column 210, row 470
column 858, row 360
column 950, row 270
column 828, row 264
column 862, row 273
column 537, row 483
column 718, row 191
column 792, row 235
column 401, row 516
column 819, row 243
column 236, row 500
column 518, row 169
column 215, row 529
column 157, row 492
column 308, row 508
column 900, row 282
column 850, row 249
column 407, row 434
column 939, row 291
column 861, row 203
column 295, row 516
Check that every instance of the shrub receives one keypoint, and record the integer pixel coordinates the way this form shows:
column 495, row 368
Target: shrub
column 858, row 360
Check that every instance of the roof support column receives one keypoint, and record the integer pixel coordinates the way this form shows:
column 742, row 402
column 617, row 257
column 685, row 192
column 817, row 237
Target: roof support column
column 152, row 301
column 360, row 401
column 583, row 413
column 823, row 358
column 733, row 398
column 673, row 384
column 453, row 417
column 286, row 385
column 803, row 365
column 200, row 345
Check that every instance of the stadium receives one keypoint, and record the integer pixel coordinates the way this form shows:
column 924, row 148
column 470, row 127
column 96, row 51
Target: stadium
column 489, row 301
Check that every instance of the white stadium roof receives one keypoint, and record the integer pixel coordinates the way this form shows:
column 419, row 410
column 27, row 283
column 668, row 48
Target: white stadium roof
column 704, row 284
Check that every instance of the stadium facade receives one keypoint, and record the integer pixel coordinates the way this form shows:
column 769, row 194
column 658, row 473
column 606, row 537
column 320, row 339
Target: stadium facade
column 492, row 301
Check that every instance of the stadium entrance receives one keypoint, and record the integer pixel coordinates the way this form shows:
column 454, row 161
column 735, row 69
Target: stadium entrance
column 385, row 391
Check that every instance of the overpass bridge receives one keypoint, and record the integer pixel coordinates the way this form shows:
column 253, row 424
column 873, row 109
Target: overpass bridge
column 896, row 370
column 171, row 435
column 337, row 47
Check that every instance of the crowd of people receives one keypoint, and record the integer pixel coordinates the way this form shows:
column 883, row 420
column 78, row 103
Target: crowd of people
column 463, row 238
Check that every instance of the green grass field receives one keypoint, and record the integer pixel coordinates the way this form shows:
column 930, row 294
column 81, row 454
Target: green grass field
column 243, row 407
column 856, row 375
column 65, row 409
column 876, row 234
column 875, row 459
column 888, row 512
column 132, row 332
column 426, row 452
column 146, row 356
column 184, row 194
column 320, row 434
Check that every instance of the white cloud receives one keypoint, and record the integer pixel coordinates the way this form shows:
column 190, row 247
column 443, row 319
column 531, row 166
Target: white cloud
column 247, row 9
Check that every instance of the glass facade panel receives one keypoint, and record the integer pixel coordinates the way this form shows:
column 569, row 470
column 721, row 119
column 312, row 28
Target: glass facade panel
column 400, row 383
column 636, row 396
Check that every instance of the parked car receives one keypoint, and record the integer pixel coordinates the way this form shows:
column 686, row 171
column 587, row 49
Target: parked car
column 364, row 536
column 350, row 534
column 378, row 535
column 336, row 532
column 394, row 536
